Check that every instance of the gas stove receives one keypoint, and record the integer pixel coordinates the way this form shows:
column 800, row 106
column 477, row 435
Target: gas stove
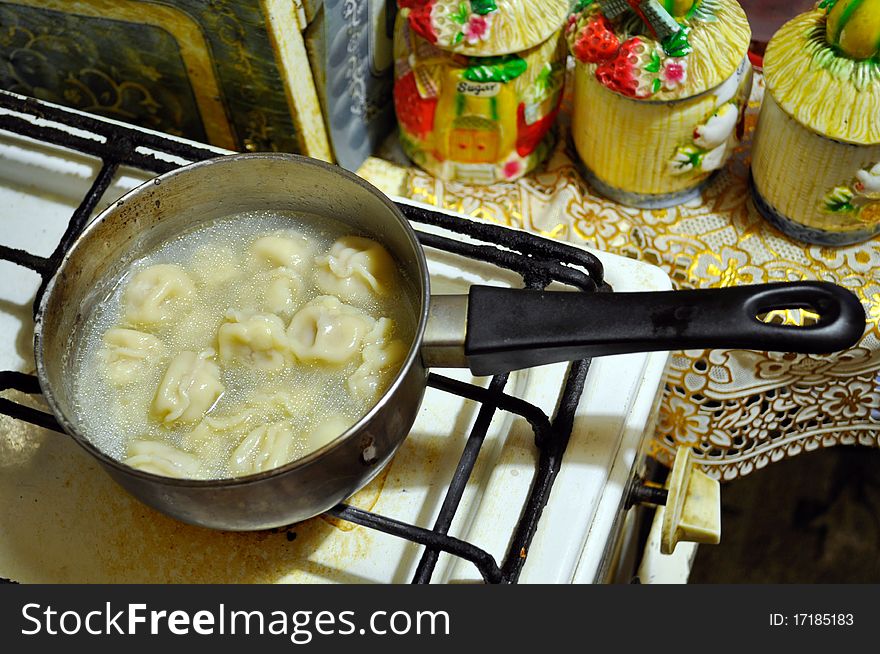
column 517, row 478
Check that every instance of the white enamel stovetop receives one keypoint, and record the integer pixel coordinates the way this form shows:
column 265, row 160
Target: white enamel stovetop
column 63, row 520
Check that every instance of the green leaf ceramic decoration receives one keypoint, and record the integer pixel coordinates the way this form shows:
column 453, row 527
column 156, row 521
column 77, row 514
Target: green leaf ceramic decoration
column 495, row 69
column 676, row 44
column 483, row 7
column 667, row 82
column 840, row 200
column 816, row 155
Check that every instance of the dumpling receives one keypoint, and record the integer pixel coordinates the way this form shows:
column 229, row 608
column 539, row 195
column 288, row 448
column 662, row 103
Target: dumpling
column 214, row 437
column 213, row 266
column 163, row 459
column 127, row 354
column 284, row 287
column 356, row 269
column 381, row 357
column 265, row 448
column 258, row 340
column 327, row 331
column 157, row 294
column 188, row 390
column 282, row 402
column 217, row 435
column 294, row 252
column 328, row 431
column 235, row 421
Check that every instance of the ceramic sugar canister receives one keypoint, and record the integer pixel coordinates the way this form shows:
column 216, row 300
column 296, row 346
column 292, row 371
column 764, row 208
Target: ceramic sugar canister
column 478, row 85
column 660, row 91
column 816, row 154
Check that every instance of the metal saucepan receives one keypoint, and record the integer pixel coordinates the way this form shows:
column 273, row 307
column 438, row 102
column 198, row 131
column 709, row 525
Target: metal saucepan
column 490, row 330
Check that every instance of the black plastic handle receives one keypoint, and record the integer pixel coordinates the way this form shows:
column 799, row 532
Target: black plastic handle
column 509, row 329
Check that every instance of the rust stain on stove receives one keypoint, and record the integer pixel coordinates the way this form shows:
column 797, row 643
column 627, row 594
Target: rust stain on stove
column 364, row 499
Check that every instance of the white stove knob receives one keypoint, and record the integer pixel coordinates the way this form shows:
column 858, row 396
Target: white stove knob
column 693, row 505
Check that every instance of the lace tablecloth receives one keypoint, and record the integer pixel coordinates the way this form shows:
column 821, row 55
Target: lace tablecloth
column 739, row 410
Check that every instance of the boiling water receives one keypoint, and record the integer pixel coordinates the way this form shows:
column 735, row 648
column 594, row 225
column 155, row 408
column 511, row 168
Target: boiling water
column 216, row 256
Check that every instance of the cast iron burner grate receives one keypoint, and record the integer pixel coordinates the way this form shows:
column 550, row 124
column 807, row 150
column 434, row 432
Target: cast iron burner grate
column 539, row 262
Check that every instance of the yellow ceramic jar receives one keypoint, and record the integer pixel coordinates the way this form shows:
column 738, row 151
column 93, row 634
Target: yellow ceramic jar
column 816, row 154
column 660, row 92
column 478, row 85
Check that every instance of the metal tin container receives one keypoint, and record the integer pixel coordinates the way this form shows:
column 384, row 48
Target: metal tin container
column 477, row 89
column 816, row 154
column 660, row 91
column 309, row 76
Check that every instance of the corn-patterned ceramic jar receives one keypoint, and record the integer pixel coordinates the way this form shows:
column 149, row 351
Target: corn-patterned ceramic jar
column 816, row 155
column 660, row 93
column 478, row 85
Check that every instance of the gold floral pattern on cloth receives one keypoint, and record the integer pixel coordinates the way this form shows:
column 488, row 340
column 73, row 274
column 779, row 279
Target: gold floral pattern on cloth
column 739, row 410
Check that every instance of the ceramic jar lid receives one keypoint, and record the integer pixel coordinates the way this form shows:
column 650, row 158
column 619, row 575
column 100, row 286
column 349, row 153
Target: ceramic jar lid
column 659, row 50
column 484, row 28
column 822, row 68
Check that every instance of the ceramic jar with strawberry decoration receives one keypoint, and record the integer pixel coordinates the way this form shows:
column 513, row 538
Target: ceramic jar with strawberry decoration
column 660, row 92
column 478, row 85
column 816, row 153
